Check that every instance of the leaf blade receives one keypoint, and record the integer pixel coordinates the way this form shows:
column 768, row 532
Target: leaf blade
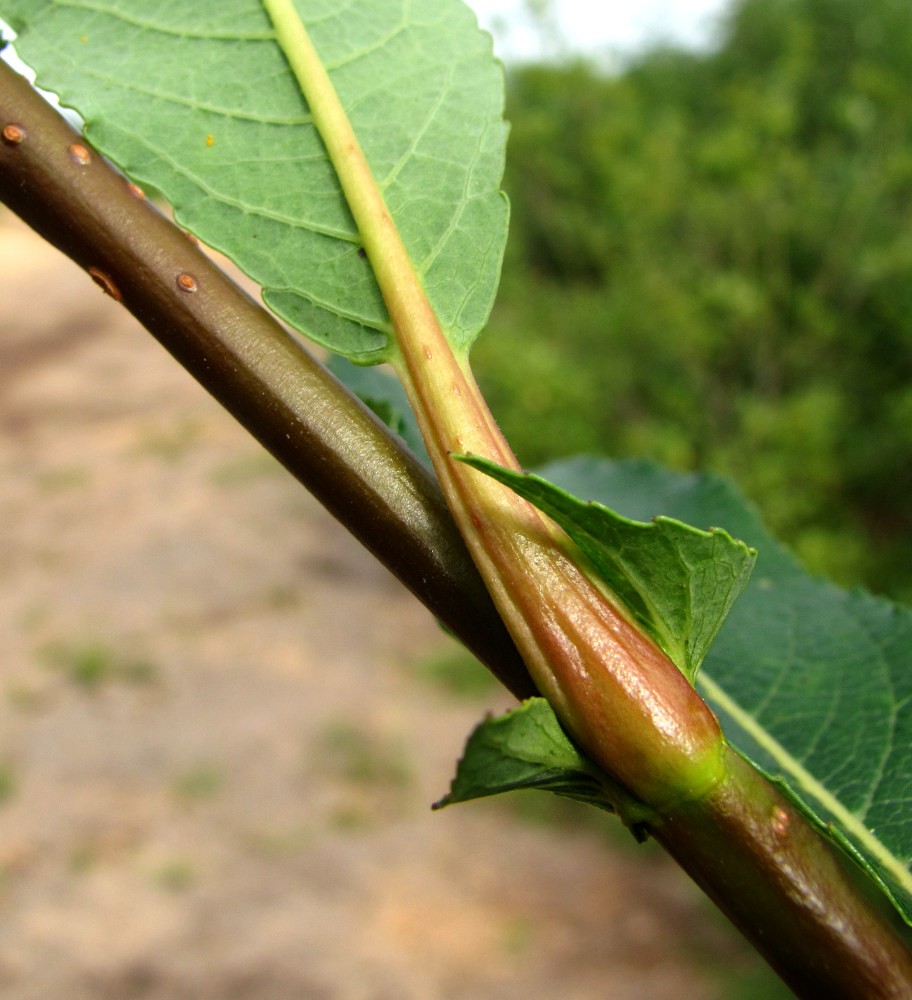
column 522, row 749
column 200, row 103
column 678, row 582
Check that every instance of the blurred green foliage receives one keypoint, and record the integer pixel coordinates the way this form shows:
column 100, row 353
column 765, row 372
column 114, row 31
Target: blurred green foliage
column 711, row 264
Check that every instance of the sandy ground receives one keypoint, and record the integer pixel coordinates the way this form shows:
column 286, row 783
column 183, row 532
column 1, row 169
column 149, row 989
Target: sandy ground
column 219, row 744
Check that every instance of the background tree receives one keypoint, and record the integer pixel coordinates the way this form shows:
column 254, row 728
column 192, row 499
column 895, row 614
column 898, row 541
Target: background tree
column 710, row 263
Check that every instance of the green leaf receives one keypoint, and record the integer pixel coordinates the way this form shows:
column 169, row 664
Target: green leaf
column 813, row 684
column 526, row 748
column 677, row 582
column 197, row 100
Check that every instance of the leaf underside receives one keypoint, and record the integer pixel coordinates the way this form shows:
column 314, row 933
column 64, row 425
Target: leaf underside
column 812, row 683
column 197, row 100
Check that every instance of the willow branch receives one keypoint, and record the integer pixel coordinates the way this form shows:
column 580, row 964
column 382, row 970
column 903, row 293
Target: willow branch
column 754, row 855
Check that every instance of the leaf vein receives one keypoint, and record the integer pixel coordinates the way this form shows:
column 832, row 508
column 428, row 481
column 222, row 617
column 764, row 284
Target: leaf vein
column 267, row 34
column 890, row 723
column 362, row 53
column 419, row 135
column 333, row 308
column 425, row 265
column 246, row 209
column 194, row 105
